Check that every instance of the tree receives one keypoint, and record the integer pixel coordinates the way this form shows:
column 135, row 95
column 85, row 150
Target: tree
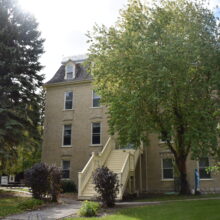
column 20, row 49
column 158, row 71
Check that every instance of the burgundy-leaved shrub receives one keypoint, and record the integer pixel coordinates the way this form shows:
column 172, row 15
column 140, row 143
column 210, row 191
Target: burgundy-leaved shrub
column 44, row 181
column 37, row 178
column 106, row 185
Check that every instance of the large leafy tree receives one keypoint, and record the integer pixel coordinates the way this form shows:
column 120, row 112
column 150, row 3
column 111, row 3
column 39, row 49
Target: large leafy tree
column 158, row 71
column 20, row 48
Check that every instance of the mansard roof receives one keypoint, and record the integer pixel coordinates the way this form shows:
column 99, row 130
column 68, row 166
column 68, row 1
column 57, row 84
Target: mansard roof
column 81, row 73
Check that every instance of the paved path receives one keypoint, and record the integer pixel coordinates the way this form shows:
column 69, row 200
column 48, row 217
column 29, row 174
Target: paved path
column 58, row 211
column 14, row 189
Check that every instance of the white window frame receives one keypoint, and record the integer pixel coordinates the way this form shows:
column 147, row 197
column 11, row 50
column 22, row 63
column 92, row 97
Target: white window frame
column 162, row 169
column 73, row 68
column 203, row 168
column 93, row 99
column 63, row 169
column 70, row 137
column 100, row 133
column 64, row 107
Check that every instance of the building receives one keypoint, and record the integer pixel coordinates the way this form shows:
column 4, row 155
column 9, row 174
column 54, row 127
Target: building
column 76, row 138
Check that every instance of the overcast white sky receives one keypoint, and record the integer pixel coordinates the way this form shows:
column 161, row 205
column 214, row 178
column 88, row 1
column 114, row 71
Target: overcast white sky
column 64, row 23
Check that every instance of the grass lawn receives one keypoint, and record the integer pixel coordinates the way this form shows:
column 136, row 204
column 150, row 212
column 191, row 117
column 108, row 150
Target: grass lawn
column 175, row 210
column 10, row 203
column 165, row 197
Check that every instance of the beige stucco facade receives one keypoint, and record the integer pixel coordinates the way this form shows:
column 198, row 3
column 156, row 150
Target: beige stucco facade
column 149, row 170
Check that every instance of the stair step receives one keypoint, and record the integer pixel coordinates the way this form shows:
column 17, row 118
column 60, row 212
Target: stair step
column 115, row 163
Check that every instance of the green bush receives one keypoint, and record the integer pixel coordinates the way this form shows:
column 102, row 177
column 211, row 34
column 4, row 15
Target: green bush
column 30, row 204
column 89, row 209
column 68, row 186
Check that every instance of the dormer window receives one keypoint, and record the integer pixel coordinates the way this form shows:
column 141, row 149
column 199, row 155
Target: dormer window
column 70, row 71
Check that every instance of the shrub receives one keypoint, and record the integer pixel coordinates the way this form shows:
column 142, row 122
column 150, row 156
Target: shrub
column 30, row 204
column 44, row 180
column 55, row 182
column 107, row 185
column 37, row 178
column 89, row 209
column 68, row 186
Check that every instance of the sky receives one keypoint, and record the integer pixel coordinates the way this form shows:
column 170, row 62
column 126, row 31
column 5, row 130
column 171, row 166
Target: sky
column 64, row 24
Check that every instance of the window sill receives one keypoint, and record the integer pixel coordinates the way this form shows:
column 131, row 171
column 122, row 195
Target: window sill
column 96, row 107
column 167, row 180
column 95, row 145
column 164, row 142
column 210, row 179
column 65, row 179
column 66, row 146
column 66, row 110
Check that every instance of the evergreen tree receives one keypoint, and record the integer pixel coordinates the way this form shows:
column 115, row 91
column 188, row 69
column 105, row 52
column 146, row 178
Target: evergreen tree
column 20, row 48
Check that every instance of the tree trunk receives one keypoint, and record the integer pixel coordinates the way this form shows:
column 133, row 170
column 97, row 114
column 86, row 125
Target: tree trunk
column 181, row 165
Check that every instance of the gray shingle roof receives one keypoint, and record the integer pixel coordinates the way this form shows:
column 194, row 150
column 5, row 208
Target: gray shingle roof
column 81, row 75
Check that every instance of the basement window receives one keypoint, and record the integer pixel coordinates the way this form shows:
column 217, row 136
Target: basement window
column 65, row 169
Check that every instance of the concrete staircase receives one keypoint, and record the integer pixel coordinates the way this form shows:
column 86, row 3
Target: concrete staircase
column 122, row 162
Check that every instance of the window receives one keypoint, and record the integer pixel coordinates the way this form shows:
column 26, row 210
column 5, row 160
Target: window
column 203, row 165
column 65, row 169
column 167, row 166
column 95, row 100
column 96, row 133
column 68, row 100
column 70, row 71
column 67, row 135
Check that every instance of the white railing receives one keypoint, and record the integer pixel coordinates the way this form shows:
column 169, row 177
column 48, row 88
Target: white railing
column 104, row 154
column 95, row 161
column 129, row 165
column 123, row 177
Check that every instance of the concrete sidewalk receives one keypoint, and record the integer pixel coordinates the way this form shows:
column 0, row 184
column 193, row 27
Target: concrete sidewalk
column 49, row 213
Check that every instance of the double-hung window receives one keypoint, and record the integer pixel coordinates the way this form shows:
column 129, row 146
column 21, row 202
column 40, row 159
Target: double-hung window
column 65, row 169
column 203, row 165
column 68, row 100
column 70, row 71
column 95, row 100
column 167, row 168
column 67, row 133
column 96, row 133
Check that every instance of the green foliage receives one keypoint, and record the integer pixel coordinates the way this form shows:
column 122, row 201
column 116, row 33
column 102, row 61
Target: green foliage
column 106, row 185
column 30, row 204
column 68, row 186
column 157, row 71
column 20, row 49
column 89, row 209
column 10, row 204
